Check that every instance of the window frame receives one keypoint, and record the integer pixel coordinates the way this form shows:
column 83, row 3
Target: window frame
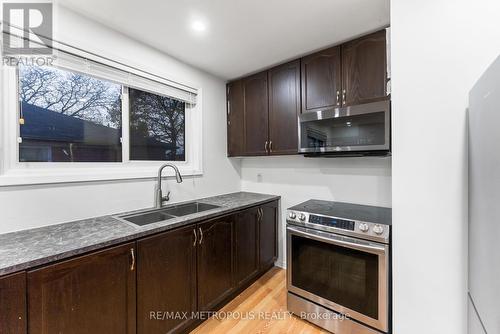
column 13, row 172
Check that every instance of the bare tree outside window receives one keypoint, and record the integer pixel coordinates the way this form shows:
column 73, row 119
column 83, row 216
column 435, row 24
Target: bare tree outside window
column 157, row 129
column 70, row 93
column 68, row 116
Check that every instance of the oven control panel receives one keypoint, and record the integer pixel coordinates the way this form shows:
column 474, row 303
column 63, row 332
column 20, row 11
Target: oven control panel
column 365, row 230
column 332, row 222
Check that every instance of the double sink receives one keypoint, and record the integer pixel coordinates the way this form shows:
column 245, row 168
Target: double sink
column 163, row 214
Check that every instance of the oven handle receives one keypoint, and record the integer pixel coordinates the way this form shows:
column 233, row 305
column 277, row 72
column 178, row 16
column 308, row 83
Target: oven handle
column 340, row 241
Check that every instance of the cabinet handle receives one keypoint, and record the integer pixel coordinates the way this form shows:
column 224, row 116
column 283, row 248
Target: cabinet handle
column 132, row 266
column 195, row 237
column 201, row 234
column 271, row 146
column 338, row 97
column 344, row 93
column 265, row 146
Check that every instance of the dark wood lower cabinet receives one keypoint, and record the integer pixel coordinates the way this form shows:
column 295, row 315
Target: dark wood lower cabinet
column 246, row 259
column 166, row 281
column 13, row 304
column 94, row 294
column 268, row 234
column 154, row 287
column 215, row 262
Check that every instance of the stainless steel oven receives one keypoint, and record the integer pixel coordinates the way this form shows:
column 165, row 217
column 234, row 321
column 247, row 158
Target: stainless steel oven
column 353, row 130
column 342, row 265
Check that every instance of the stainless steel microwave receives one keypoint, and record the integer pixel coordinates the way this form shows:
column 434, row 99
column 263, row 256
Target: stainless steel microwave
column 353, row 131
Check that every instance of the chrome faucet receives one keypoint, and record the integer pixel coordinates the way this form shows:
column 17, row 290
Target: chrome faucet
column 159, row 198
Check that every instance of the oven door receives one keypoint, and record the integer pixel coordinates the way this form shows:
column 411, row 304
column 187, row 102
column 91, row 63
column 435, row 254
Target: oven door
column 347, row 275
column 361, row 128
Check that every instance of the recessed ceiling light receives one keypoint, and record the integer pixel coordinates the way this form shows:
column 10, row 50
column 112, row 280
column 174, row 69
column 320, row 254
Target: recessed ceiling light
column 198, row 26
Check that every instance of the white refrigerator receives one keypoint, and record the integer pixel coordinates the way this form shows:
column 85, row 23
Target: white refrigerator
column 484, row 203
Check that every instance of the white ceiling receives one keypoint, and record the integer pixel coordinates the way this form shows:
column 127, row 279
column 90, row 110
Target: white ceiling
column 242, row 36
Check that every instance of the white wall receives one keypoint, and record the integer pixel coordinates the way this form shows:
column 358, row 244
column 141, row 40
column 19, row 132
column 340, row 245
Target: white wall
column 33, row 206
column 439, row 49
column 297, row 179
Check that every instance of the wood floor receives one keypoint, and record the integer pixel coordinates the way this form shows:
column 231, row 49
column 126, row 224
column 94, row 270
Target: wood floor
column 260, row 309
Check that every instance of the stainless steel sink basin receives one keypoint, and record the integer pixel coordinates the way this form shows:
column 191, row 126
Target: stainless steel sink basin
column 159, row 215
column 146, row 218
column 187, row 209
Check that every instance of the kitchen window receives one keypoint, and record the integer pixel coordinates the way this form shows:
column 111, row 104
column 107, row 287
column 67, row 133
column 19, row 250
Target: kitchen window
column 87, row 120
column 68, row 117
column 73, row 117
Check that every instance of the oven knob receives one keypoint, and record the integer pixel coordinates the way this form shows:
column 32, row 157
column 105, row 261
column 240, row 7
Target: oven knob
column 302, row 217
column 378, row 229
column 364, row 227
column 292, row 215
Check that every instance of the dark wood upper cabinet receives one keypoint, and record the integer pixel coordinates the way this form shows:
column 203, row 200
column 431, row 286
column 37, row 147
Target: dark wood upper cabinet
column 235, row 119
column 364, row 69
column 321, row 80
column 268, row 234
column 215, row 262
column 349, row 74
column 13, row 304
column 246, row 230
column 166, row 280
column 256, row 114
column 95, row 294
column 284, row 108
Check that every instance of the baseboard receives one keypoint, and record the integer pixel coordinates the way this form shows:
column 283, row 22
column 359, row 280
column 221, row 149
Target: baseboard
column 281, row 264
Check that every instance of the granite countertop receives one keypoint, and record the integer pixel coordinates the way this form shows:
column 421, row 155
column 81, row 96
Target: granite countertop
column 30, row 248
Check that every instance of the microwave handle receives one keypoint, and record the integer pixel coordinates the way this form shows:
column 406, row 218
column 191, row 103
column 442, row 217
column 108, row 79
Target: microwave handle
column 340, row 241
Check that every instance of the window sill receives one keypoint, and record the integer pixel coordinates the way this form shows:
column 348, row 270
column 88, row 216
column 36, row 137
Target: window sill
column 39, row 176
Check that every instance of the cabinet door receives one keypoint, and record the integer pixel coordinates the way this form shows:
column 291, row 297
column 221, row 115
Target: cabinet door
column 256, row 114
column 215, row 259
column 166, row 280
column 268, row 234
column 284, row 108
column 321, row 80
column 235, row 114
column 246, row 245
column 13, row 304
column 364, row 67
column 90, row 294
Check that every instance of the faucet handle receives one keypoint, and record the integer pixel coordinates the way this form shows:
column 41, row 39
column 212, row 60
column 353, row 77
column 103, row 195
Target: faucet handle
column 167, row 197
